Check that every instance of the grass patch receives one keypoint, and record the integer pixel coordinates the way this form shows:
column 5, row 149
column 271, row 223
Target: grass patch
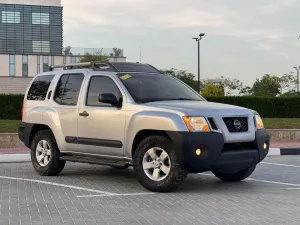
column 282, row 123
column 11, row 126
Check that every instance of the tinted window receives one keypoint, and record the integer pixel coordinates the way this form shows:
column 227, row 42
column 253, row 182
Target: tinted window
column 134, row 67
column 68, row 89
column 39, row 88
column 145, row 87
column 100, row 85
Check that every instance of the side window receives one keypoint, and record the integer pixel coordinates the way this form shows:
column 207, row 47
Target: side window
column 100, row 85
column 68, row 88
column 39, row 88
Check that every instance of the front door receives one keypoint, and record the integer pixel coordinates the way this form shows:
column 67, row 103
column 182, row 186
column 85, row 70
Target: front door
column 101, row 125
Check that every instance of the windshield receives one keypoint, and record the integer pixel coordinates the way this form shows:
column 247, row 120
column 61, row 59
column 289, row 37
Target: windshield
column 134, row 67
column 145, row 87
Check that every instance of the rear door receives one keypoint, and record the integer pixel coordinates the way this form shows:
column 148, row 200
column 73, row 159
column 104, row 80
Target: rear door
column 65, row 102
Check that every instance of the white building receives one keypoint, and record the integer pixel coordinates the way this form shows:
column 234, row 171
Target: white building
column 31, row 40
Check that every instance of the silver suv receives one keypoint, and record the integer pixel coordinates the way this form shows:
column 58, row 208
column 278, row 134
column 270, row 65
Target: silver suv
column 129, row 114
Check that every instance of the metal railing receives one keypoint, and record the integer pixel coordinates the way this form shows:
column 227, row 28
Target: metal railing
column 80, row 51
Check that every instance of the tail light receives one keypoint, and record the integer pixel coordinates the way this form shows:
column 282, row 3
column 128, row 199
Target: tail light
column 22, row 111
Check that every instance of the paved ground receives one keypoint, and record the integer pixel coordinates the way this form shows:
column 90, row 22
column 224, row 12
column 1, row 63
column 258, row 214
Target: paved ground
column 85, row 194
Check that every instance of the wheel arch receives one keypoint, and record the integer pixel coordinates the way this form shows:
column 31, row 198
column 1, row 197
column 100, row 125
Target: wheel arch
column 34, row 130
column 142, row 134
column 147, row 123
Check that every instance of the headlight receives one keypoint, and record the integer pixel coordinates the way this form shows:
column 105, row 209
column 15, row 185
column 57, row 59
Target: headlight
column 259, row 122
column 196, row 124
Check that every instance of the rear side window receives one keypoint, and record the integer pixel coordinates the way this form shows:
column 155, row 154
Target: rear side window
column 68, row 89
column 39, row 88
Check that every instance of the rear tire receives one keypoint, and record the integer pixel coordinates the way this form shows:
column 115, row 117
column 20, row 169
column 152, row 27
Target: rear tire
column 169, row 174
column 235, row 177
column 45, row 154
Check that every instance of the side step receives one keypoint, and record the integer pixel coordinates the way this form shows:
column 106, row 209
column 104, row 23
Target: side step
column 93, row 160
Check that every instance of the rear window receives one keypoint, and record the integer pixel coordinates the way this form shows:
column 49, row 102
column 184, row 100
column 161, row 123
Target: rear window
column 39, row 88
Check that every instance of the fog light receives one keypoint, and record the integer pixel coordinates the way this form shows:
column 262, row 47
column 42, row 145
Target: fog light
column 198, row 151
column 265, row 145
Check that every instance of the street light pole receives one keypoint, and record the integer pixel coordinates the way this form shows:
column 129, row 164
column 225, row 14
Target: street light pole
column 199, row 85
column 198, row 39
column 297, row 68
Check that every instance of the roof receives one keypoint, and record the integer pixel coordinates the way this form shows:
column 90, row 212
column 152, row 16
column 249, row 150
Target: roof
column 110, row 66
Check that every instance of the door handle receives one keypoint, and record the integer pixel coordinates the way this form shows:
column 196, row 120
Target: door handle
column 84, row 113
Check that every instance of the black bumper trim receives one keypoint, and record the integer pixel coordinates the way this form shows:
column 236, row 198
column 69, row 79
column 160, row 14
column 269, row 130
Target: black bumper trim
column 217, row 155
column 24, row 132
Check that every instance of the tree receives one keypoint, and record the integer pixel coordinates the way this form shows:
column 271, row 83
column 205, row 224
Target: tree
column 182, row 75
column 289, row 94
column 117, row 52
column 268, row 86
column 67, row 51
column 93, row 57
column 288, row 84
column 212, row 90
column 246, row 91
column 228, row 85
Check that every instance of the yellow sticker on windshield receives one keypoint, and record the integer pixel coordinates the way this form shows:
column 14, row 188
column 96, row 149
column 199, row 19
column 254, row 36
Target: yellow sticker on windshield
column 126, row 76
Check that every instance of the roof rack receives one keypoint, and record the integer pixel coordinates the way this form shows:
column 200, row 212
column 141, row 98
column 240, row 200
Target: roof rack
column 94, row 65
column 109, row 66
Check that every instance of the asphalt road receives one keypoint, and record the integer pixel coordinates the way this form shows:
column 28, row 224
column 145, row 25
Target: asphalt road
column 85, row 194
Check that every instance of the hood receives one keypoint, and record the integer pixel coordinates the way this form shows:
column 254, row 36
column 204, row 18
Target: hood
column 201, row 108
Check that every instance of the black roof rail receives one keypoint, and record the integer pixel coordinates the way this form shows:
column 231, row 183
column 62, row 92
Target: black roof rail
column 109, row 66
column 94, row 65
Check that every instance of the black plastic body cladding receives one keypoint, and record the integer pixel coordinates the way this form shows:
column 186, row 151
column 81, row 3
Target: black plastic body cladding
column 217, row 155
column 24, row 132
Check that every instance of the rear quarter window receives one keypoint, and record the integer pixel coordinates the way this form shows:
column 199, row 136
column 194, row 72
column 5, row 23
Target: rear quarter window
column 39, row 88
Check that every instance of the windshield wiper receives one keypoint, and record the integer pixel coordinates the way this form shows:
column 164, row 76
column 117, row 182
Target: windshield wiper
column 170, row 99
column 176, row 99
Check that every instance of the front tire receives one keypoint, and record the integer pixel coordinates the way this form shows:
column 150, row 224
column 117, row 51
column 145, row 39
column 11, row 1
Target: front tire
column 45, row 154
column 234, row 177
column 157, row 166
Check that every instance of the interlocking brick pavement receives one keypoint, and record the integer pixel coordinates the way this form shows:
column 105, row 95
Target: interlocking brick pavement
column 201, row 200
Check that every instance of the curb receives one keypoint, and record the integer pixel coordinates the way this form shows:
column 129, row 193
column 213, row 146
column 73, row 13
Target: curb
column 13, row 158
column 284, row 151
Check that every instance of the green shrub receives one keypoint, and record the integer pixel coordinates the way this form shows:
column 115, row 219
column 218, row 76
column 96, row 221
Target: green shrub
column 10, row 106
column 268, row 107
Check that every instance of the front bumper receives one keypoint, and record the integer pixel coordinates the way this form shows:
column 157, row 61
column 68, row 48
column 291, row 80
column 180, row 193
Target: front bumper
column 217, row 155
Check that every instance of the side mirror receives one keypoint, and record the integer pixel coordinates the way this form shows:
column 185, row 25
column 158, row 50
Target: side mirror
column 108, row 98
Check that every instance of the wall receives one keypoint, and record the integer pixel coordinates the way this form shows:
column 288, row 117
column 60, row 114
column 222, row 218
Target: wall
column 14, row 85
column 4, row 65
column 32, row 64
column 30, row 30
column 33, row 2
column 18, row 84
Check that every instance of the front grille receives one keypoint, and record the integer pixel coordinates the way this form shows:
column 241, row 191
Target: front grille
column 236, row 124
column 212, row 123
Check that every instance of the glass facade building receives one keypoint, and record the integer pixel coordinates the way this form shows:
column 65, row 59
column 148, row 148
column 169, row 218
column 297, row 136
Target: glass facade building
column 30, row 30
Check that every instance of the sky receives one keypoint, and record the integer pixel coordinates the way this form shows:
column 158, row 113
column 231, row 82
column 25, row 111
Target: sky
column 243, row 39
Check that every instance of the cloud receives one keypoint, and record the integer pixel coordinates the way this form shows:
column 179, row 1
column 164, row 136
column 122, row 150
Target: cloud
column 258, row 35
column 276, row 5
column 139, row 16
